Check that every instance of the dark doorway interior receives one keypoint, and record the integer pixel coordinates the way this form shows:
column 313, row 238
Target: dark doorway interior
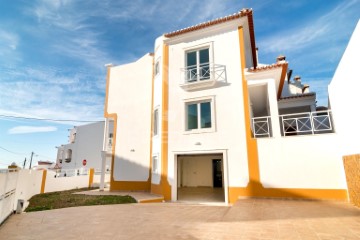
column 217, row 173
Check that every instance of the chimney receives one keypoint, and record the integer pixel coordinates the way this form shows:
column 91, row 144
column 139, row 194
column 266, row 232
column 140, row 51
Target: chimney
column 280, row 58
column 297, row 78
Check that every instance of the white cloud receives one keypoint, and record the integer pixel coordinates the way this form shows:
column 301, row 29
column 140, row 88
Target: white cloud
column 323, row 30
column 31, row 129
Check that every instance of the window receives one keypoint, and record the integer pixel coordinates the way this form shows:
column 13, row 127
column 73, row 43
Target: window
column 157, row 68
column 156, row 122
column 199, row 115
column 68, row 155
column 197, row 65
column 155, row 164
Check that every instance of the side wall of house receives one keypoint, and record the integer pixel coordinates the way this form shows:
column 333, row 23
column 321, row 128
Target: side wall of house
column 344, row 96
column 129, row 102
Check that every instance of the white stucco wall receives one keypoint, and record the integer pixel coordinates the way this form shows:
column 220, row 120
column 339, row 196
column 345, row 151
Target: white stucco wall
column 28, row 184
column 228, row 134
column 129, row 97
column 311, row 162
column 344, row 96
column 65, row 183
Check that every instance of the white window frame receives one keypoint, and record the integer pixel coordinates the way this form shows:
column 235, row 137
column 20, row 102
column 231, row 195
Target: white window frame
column 155, row 165
column 197, row 101
column 156, row 123
column 207, row 45
column 157, row 67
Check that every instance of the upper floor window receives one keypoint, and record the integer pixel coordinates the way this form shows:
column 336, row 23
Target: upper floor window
column 155, row 164
column 199, row 115
column 156, row 122
column 157, row 68
column 197, row 65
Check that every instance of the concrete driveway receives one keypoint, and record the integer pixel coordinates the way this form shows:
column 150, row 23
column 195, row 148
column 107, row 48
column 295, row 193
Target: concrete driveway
column 247, row 219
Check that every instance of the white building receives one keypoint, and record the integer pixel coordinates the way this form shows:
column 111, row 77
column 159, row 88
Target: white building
column 200, row 116
column 84, row 147
column 344, row 95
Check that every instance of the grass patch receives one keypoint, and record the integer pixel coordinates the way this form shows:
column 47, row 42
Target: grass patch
column 65, row 199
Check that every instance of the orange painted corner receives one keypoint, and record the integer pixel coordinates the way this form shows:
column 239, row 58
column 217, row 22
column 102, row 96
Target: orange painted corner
column 43, row 181
column 91, row 177
column 295, row 193
column 129, row 185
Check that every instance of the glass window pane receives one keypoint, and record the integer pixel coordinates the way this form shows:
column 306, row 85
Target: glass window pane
column 204, row 56
column 191, row 59
column 191, row 72
column 205, row 109
column 204, row 64
column 192, row 117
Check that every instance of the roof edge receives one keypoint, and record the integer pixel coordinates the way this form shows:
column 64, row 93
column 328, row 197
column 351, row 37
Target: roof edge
column 244, row 12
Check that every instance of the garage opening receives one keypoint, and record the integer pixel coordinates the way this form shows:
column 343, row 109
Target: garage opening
column 200, row 178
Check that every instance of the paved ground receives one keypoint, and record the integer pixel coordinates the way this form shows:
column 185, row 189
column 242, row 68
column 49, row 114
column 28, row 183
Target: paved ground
column 247, row 219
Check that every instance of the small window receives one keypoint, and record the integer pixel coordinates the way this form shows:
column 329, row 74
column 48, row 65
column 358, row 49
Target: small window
column 198, row 115
column 156, row 122
column 68, row 155
column 157, row 68
column 155, row 164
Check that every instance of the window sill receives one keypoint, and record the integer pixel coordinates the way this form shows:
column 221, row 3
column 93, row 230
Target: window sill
column 198, row 84
column 198, row 131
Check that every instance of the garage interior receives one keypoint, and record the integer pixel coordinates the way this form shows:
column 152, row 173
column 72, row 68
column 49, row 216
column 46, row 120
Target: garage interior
column 200, row 178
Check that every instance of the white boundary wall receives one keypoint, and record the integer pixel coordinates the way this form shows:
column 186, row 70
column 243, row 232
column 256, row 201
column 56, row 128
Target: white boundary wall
column 7, row 193
column 312, row 162
column 23, row 184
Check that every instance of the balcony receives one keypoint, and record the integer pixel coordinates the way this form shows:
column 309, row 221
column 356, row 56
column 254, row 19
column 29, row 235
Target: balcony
column 202, row 76
column 295, row 124
column 261, row 127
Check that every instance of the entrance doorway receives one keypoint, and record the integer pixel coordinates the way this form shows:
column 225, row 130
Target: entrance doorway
column 200, row 178
column 217, row 173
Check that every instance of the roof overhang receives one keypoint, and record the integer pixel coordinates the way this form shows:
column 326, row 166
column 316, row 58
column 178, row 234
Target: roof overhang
column 244, row 13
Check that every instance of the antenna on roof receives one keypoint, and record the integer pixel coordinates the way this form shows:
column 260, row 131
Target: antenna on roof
column 289, row 74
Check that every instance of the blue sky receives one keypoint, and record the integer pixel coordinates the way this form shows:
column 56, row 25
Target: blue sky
column 53, row 52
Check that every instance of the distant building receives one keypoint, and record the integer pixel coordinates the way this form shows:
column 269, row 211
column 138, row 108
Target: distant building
column 84, row 147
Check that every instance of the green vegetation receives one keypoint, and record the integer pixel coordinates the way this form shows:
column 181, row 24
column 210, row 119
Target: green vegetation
column 64, row 199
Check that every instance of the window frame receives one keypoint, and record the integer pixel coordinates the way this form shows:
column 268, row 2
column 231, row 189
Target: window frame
column 157, row 67
column 198, row 101
column 198, row 48
column 156, row 125
column 155, row 169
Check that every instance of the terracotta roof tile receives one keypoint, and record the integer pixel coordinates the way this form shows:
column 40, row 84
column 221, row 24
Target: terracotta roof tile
column 244, row 12
column 267, row 67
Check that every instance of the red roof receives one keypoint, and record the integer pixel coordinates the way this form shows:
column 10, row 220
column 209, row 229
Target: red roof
column 267, row 67
column 244, row 12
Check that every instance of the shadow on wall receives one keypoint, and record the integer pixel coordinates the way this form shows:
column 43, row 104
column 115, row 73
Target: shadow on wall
column 133, row 176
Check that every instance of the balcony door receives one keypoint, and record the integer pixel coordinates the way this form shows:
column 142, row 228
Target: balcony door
column 197, row 65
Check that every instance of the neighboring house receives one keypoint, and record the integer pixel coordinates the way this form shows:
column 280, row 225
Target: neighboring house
column 200, row 114
column 84, row 148
column 344, row 97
